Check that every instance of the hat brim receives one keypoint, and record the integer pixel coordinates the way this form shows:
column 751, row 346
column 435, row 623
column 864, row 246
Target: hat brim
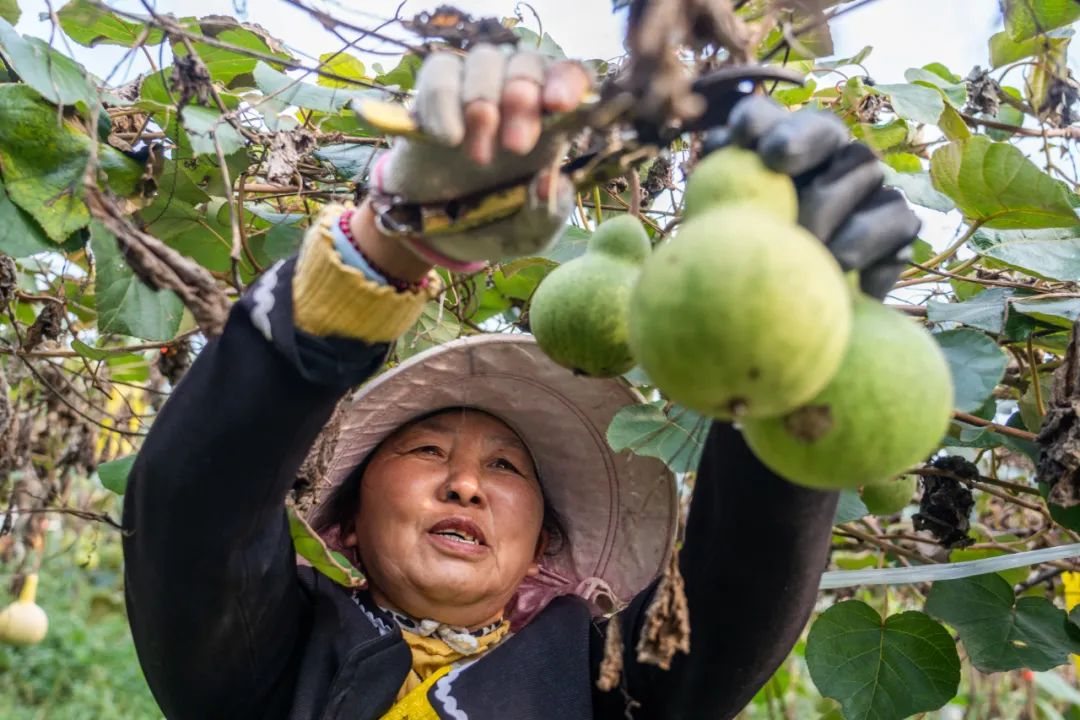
column 620, row 509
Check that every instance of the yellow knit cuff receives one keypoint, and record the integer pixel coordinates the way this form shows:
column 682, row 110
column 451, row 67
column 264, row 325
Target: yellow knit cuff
column 332, row 298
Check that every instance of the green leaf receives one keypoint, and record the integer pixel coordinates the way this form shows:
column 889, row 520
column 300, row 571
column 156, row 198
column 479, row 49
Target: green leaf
column 228, row 66
column 20, row 236
column 280, row 242
column 345, row 65
column 816, row 41
column 994, row 183
column 1062, row 312
column 114, row 474
column 796, row 95
column 345, row 121
column 194, row 232
column 9, row 10
column 43, row 162
column 571, row 244
column 91, row 25
column 850, row 507
column 1007, row 114
column 520, row 280
column 1028, row 408
column 546, row 45
column 855, row 59
column 881, row 670
column 289, row 91
column 985, row 311
column 1000, row 632
column 905, row 162
column 513, row 267
column 312, row 548
column 204, row 174
column 125, row 304
column 676, row 438
column 403, row 76
column 57, row 78
column 918, row 189
column 977, row 365
column 1053, row 254
column 953, row 125
column 921, row 251
column 1027, row 18
column 915, row 102
column 128, row 368
column 95, row 353
column 203, row 125
column 954, row 92
column 1005, row 50
column 350, row 160
column 882, row 137
column 435, row 326
column 944, row 73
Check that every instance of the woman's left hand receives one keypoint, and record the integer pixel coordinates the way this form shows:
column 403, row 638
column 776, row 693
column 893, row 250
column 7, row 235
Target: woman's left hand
column 866, row 226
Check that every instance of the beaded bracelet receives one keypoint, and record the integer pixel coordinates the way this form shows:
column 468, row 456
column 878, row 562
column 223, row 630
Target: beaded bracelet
column 396, row 283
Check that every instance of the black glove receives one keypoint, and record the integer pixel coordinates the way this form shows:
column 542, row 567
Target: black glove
column 866, row 226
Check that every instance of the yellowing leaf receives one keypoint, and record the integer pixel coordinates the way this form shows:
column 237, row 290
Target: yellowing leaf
column 345, row 65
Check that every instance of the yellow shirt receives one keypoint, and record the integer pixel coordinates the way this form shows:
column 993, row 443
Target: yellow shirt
column 432, row 659
column 430, row 654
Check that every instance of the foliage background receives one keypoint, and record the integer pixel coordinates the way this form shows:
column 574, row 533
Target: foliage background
column 89, row 351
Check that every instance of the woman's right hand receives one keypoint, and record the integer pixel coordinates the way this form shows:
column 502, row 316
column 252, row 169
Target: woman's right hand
column 485, row 111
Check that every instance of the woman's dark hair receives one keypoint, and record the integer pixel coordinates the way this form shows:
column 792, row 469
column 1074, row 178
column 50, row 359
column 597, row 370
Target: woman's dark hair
column 340, row 508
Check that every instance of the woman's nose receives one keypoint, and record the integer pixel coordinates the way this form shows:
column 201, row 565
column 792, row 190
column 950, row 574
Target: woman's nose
column 463, row 487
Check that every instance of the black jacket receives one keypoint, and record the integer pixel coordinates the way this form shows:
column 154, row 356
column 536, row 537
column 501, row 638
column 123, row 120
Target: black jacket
column 227, row 626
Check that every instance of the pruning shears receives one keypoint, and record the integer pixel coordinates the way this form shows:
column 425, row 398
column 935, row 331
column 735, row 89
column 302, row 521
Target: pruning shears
column 639, row 140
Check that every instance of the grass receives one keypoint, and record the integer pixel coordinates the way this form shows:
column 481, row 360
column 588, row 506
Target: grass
column 86, row 667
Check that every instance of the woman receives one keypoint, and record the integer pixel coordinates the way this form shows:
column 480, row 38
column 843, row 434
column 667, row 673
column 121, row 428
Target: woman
column 472, row 485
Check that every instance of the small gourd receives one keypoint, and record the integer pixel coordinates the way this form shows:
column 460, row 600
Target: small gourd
column 23, row 622
column 580, row 313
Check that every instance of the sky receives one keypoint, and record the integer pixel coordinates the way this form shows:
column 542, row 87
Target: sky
column 903, row 34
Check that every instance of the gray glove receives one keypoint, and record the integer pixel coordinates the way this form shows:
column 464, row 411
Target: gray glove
column 866, row 226
column 422, row 171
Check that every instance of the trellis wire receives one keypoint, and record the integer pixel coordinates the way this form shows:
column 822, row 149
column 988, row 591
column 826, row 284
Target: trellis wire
column 945, row 571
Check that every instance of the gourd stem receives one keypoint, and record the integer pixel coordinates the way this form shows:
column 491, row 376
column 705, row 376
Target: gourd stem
column 29, row 589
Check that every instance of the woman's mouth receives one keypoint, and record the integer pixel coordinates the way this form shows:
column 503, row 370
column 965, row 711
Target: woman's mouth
column 459, row 534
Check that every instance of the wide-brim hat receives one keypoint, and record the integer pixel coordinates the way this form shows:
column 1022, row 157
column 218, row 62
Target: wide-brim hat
column 619, row 509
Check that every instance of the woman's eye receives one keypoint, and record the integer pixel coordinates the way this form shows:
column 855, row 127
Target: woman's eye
column 428, row 450
column 505, row 464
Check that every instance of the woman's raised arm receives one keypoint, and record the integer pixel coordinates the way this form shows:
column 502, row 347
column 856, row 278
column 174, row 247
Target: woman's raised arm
column 755, row 549
column 215, row 606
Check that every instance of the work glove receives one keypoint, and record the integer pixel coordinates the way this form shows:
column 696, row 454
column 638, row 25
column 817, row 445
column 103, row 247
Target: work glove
column 867, row 227
column 421, row 171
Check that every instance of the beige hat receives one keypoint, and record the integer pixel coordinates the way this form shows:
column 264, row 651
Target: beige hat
column 619, row 509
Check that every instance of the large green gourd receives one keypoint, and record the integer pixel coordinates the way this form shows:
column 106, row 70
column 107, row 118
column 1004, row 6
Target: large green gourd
column 742, row 315
column 885, row 410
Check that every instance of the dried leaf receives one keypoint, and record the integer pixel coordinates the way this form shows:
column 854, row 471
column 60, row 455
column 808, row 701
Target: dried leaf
column 1059, row 439
column 286, row 150
column 667, row 621
column 159, row 265
column 612, row 665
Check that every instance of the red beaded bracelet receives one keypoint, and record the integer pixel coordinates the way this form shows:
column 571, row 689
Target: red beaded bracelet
column 396, row 283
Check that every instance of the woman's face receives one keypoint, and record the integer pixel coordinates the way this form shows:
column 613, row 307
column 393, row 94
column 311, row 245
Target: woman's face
column 449, row 519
